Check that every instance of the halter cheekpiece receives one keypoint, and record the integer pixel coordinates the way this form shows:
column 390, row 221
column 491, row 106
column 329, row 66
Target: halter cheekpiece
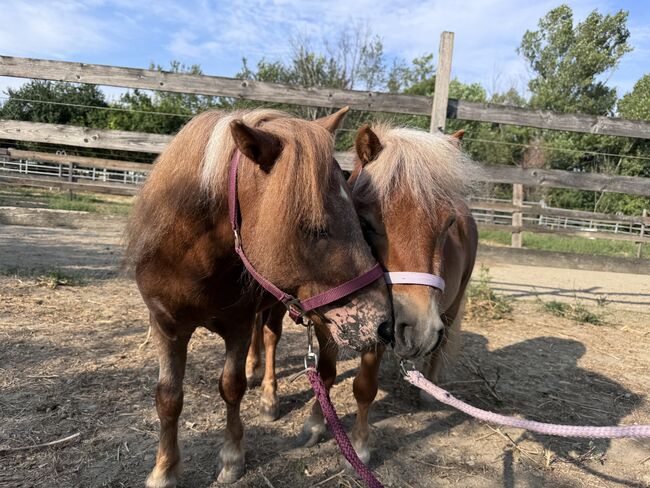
column 297, row 308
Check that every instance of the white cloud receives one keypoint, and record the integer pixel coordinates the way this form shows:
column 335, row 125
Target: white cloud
column 217, row 33
column 59, row 28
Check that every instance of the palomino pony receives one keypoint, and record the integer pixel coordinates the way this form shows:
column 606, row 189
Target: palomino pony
column 299, row 230
column 408, row 189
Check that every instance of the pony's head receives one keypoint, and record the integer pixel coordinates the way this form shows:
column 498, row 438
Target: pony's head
column 299, row 228
column 406, row 188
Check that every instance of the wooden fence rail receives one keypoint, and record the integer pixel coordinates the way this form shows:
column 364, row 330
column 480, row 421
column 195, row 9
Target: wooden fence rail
column 69, row 135
column 320, row 97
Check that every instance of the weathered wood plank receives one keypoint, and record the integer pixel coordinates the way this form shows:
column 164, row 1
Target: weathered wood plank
column 211, row 85
column 538, row 229
column 532, row 257
column 319, row 97
column 43, row 182
column 544, row 119
column 534, row 209
column 69, row 135
column 79, row 160
column 154, row 143
column 554, row 178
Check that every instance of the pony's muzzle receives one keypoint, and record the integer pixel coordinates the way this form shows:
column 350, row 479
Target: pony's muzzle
column 418, row 329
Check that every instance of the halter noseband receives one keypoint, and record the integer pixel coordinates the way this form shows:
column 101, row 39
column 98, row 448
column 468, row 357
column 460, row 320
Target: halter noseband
column 297, row 308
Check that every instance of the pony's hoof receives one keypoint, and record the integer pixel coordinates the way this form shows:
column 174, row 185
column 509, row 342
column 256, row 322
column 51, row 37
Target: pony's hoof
column 270, row 413
column 364, row 455
column 160, row 479
column 312, row 432
column 230, row 474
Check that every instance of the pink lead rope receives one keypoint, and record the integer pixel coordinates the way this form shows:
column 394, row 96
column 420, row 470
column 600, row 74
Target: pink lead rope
column 611, row 432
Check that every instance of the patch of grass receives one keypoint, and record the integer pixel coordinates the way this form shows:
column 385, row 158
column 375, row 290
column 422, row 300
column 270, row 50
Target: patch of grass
column 559, row 243
column 54, row 279
column 575, row 311
column 61, row 200
column 483, row 302
column 51, row 279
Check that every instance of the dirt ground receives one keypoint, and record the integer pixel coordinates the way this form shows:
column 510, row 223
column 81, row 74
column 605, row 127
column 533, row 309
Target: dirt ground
column 70, row 362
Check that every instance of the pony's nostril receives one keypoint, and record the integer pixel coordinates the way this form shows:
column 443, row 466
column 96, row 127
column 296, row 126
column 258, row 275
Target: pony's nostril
column 386, row 333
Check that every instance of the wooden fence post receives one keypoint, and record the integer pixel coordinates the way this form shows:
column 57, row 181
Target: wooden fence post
column 640, row 244
column 517, row 217
column 443, row 77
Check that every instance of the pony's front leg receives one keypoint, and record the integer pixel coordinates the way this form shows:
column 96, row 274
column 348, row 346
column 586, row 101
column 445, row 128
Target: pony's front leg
column 270, row 407
column 365, row 390
column 172, row 356
column 314, row 427
column 232, row 386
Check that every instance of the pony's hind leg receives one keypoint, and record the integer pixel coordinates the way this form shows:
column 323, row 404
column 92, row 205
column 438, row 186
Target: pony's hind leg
column 232, row 386
column 270, row 404
column 365, row 390
column 172, row 356
column 314, row 427
column 254, row 357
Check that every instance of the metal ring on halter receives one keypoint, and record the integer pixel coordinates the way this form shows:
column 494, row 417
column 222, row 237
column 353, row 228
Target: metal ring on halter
column 294, row 307
column 406, row 365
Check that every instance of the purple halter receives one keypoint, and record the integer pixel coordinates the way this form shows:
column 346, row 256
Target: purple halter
column 297, row 308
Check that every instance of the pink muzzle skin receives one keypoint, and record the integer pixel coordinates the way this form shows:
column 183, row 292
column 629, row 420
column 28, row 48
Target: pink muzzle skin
column 297, row 308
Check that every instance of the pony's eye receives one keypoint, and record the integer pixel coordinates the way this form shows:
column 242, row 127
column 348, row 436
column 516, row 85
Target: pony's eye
column 366, row 226
column 316, row 234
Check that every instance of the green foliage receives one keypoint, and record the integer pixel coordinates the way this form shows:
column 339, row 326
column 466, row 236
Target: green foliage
column 559, row 243
column 483, row 302
column 67, row 103
column 575, row 311
column 567, row 59
column 160, row 112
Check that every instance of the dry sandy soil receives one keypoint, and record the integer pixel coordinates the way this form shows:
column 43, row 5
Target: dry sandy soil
column 70, row 363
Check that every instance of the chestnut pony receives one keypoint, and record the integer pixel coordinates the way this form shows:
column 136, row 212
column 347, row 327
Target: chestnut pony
column 298, row 228
column 408, row 188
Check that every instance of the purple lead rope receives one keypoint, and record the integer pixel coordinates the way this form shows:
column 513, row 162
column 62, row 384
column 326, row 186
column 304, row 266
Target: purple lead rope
column 337, row 429
column 610, row 432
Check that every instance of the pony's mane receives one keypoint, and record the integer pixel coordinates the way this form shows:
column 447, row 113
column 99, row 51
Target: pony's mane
column 431, row 167
column 189, row 181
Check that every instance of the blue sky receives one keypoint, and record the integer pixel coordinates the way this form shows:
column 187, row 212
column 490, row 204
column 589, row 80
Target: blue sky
column 216, row 33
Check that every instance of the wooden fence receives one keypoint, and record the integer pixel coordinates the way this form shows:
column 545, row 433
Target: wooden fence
column 439, row 109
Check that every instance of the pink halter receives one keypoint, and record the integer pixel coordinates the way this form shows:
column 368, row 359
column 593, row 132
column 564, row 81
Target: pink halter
column 297, row 308
column 414, row 278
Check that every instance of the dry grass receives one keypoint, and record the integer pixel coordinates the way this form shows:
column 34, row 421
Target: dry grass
column 72, row 363
column 483, row 302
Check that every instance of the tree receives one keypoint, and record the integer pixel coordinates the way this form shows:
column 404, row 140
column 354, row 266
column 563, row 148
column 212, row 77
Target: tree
column 567, row 60
column 55, row 103
column 160, row 112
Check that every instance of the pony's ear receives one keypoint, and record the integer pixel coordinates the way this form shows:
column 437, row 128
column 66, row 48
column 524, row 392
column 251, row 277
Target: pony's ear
column 367, row 144
column 331, row 122
column 257, row 145
column 457, row 136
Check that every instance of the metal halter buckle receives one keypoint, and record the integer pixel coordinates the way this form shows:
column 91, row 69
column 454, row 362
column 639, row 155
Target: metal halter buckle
column 406, row 365
column 311, row 358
